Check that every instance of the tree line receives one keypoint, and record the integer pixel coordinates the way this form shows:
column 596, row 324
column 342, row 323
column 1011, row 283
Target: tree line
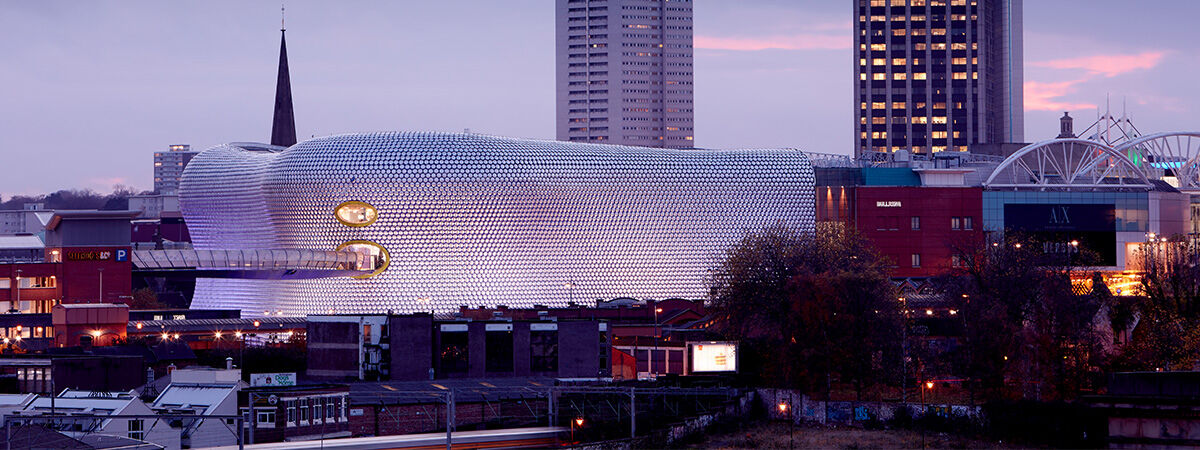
column 118, row 199
column 817, row 309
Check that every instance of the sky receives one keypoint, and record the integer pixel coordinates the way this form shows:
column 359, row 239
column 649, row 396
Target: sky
column 90, row 90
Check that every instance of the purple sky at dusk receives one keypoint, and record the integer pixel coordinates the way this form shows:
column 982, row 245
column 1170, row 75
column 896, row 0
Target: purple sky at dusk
column 89, row 90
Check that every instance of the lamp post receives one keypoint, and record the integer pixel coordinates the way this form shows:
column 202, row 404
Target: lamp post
column 904, row 352
column 577, row 423
column 926, row 385
column 16, row 307
column 786, row 408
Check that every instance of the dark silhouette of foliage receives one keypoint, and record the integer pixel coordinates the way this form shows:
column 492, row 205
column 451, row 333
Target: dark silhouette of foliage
column 809, row 308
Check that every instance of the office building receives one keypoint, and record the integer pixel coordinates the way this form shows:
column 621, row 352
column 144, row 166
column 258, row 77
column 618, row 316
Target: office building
column 168, row 168
column 624, row 72
column 937, row 75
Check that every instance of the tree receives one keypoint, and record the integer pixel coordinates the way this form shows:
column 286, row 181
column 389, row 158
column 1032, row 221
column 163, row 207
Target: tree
column 1023, row 318
column 1167, row 334
column 146, row 298
column 809, row 306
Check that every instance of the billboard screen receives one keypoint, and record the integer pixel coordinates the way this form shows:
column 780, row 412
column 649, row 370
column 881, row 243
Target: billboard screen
column 1092, row 225
column 273, row 379
column 714, row 356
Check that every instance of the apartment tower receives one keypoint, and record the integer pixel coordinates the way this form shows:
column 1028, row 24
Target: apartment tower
column 624, row 72
column 937, row 75
column 168, row 168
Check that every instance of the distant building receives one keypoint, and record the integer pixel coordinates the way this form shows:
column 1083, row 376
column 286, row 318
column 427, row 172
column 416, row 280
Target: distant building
column 935, row 76
column 99, row 403
column 152, row 206
column 30, row 220
column 624, row 72
column 297, row 413
column 202, row 392
column 168, row 168
column 417, row 347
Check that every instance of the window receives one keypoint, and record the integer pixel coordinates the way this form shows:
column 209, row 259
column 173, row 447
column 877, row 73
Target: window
column 454, row 351
column 291, row 414
column 499, row 346
column 879, row 76
column 899, row 61
column 898, row 76
column 266, row 419
column 303, row 412
column 967, row 223
column 543, row 351
column 955, row 223
column 330, row 411
column 374, row 256
column 916, row 222
column 137, row 429
column 919, row 76
column 356, row 214
column 318, row 411
column 916, row 260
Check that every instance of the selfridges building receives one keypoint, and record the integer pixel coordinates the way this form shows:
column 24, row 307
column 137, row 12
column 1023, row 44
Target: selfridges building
column 465, row 219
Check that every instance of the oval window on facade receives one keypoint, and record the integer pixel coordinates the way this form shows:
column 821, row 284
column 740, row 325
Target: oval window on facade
column 373, row 256
column 356, row 213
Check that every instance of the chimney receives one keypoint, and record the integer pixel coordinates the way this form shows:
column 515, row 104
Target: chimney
column 149, row 375
column 228, row 363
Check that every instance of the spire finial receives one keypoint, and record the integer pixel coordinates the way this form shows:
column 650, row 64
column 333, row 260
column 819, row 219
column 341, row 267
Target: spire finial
column 282, row 17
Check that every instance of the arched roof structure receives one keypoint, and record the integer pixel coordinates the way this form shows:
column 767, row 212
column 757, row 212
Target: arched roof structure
column 1177, row 151
column 1067, row 164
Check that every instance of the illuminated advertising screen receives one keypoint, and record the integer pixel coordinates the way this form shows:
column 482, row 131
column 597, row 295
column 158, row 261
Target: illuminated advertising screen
column 714, row 356
column 1054, row 225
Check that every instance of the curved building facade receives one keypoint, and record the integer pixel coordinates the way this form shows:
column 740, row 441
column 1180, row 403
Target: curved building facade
column 467, row 219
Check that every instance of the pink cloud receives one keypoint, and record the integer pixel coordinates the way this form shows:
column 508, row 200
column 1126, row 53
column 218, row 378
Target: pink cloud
column 1046, row 96
column 790, row 42
column 1107, row 65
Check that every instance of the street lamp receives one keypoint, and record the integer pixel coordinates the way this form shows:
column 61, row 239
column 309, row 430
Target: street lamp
column 657, row 328
column 924, row 412
column 16, row 306
column 577, row 423
column 570, row 285
column 786, row 408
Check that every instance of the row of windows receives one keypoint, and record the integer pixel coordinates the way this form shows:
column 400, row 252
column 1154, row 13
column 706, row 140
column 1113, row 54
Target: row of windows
column 956, row 223
column 901, row 76
column 862, row 3
column 920, row 46
column 915, row 61
column 882, row 120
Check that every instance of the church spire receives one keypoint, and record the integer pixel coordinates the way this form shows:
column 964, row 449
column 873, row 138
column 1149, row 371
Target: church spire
column 283, row 128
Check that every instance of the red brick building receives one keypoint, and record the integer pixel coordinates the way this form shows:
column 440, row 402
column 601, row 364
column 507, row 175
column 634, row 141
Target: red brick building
column 919, row 228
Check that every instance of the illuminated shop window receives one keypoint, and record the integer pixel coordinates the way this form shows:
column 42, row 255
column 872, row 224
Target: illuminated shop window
column 356, row 214
column 376, row 256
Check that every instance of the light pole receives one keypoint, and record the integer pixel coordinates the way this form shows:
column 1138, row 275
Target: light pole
column 577, row 423
column 904, row 352
column 16, row 307
column 570, row 285
column 786, row 408
column 924, row 412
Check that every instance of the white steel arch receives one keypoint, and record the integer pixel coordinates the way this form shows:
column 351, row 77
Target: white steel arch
column 1178, row 151
column 1070, row 163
